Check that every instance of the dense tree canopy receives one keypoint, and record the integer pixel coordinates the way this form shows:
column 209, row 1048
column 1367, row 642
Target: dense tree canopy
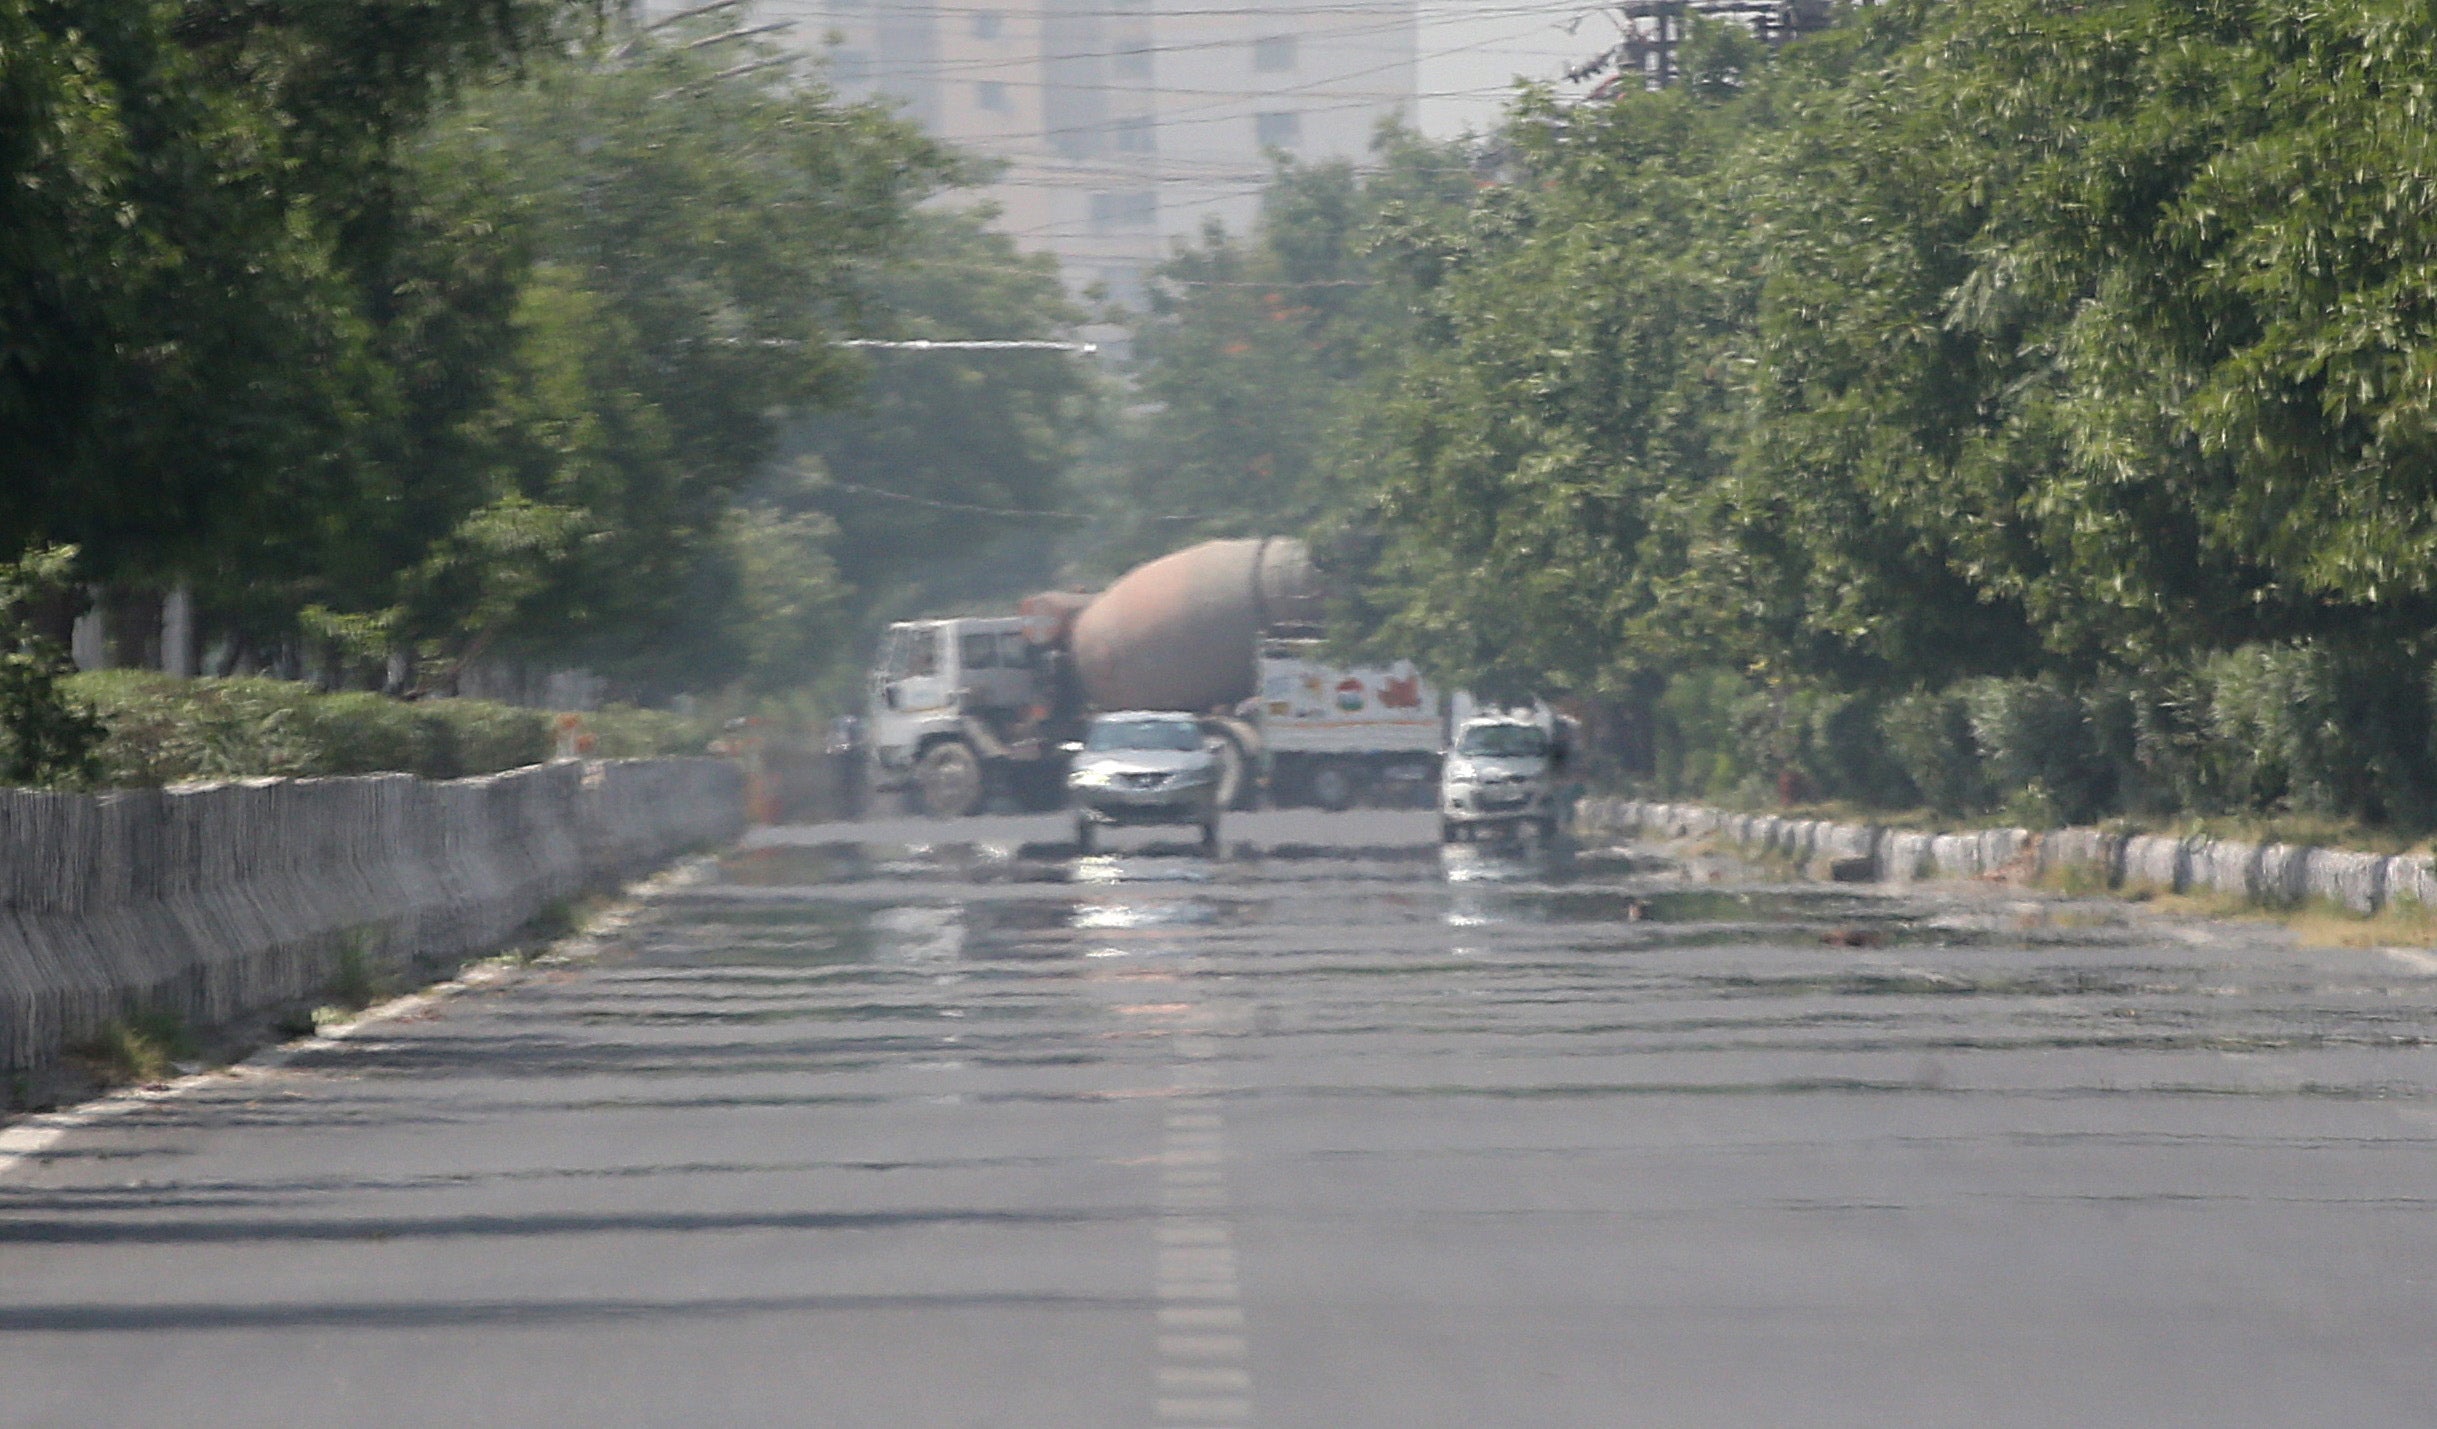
column 2085, row 348
column 1964, row 338
column 197, row 203
column 1255, row 345
column 684, row 250
column 446, row 332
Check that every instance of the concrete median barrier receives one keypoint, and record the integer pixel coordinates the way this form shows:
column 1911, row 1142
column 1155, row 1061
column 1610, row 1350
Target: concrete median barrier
column 2278, row 875
column 214, row 902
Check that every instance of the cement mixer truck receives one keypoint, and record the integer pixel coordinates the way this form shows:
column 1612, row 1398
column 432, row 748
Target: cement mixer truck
column 974, row 711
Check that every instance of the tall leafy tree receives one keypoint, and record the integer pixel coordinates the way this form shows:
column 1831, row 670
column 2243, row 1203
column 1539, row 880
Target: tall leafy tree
column 684, row 246
column 934, row 473
column 1254, row 347
column 187, row 326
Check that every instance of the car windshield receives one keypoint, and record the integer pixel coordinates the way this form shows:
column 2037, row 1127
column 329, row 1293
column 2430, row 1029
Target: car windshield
column 1144, row 734
column 1504, row 741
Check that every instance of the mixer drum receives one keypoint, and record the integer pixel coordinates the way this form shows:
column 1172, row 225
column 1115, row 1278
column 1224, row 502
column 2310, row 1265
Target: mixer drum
column 1181, row 632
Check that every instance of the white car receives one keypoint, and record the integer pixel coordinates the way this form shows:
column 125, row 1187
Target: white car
column 1500, row 777
column 1143, row 767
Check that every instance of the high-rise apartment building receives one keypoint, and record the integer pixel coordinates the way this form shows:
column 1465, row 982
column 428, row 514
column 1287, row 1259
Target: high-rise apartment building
column 1124, row 124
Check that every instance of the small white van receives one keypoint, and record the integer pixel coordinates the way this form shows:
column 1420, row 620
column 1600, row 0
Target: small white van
column 1500, row 777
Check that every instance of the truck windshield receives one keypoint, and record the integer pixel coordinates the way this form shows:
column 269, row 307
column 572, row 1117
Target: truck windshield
column 1144, row 734
column 1504, row 741
column 911, row 650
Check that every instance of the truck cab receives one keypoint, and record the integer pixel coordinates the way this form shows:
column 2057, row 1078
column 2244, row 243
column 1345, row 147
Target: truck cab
column 948, row 699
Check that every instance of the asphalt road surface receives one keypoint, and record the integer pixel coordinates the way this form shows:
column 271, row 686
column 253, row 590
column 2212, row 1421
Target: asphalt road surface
column 922, row 1124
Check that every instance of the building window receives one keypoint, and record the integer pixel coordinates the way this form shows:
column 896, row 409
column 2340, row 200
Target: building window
column 985, row 24
column 990, row 94
column 1134, row 63
column 1273, row 54
column 1125, row 208
column 1282, row 129
column 1133, row 134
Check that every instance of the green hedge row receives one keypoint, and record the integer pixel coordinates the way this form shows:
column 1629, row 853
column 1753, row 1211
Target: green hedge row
column 165, row 730
column 2311, row 729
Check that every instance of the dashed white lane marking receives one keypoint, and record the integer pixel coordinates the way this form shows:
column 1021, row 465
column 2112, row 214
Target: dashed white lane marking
column 1201, row 1347
column 1203, row 1377
column 1205, row 1411
column 1200, row 1377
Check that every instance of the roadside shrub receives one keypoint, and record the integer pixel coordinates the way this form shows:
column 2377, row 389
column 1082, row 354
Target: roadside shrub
column 2264, row 717
column 140, row 1047
column 47, row 735
column 163, row 730
column 1702, row 741
column 1929, row 734
column 355, row 978
column 2320, row 730
column 478, row 737
column 2316, row 729
column 1847, row 756
column 624, row 732
column 2037, row 749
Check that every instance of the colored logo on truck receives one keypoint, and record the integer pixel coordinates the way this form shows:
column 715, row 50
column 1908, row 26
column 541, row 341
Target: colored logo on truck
column 1404, row 694
column 1349, row 694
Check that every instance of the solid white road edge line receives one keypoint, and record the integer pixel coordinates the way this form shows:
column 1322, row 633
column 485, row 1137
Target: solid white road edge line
column 37, row 1134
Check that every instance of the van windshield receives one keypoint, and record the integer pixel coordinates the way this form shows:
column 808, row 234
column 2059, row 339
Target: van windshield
column 1144, row 734
column 1504, row 741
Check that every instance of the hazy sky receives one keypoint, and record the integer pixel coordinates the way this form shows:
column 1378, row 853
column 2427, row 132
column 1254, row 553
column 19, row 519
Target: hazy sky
column 1472, row 49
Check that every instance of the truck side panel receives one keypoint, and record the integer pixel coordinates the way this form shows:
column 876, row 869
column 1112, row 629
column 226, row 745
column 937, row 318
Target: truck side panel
column 1308, row 707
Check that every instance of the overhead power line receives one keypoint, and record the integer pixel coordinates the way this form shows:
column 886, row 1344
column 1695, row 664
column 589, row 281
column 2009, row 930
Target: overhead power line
column 1120, row 49
column 922, row 344
column 992, row 344
column 745, row 33
column 1373, row 8
column 1018, row 512
column 677, row 17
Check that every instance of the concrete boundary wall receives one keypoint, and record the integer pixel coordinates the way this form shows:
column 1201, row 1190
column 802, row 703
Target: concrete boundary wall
column 2270, row 874
column 213, row 902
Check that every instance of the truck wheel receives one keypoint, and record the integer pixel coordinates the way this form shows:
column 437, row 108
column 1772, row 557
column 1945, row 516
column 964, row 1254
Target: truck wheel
column 1085, row 839
column 1332, row 788
column 950, row 779
column 1210, row 837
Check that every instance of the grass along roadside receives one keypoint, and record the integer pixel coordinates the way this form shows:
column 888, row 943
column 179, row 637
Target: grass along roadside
column 2315, row 922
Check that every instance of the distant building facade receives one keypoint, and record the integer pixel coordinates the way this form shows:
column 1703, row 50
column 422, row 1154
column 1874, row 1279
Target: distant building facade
column 1124, row 124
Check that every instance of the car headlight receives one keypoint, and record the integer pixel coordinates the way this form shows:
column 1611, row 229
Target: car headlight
column 1460, row 771
column 1089, row 778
